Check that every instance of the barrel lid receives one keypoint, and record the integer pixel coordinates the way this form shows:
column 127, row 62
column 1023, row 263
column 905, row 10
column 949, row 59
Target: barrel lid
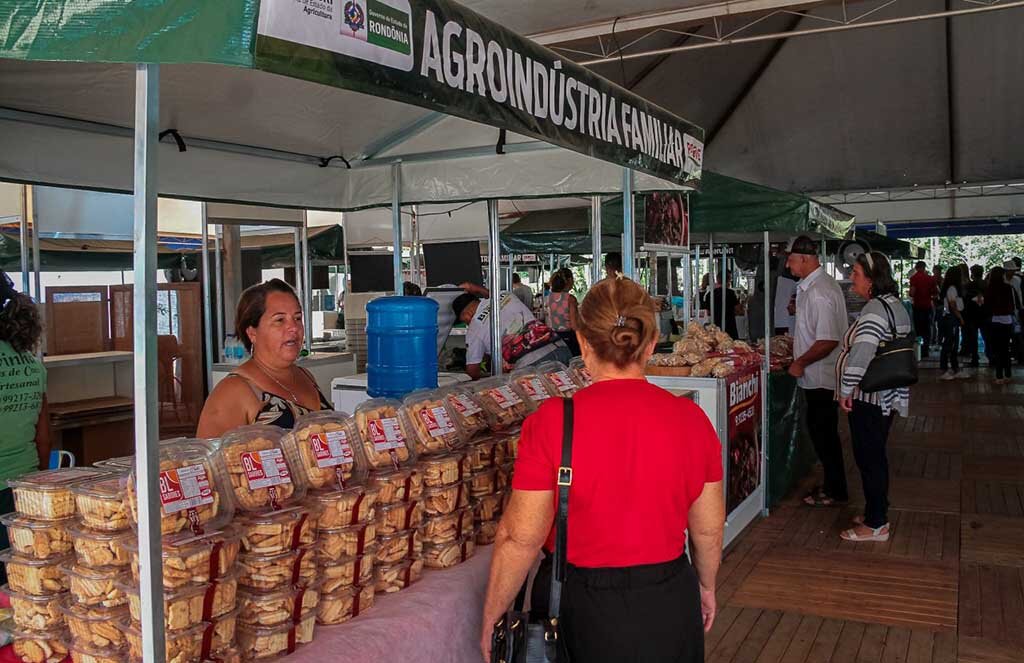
column 396, row 303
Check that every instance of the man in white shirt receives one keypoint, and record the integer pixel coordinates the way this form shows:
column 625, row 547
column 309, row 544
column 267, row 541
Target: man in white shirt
column 474, row 309
column 819, row 326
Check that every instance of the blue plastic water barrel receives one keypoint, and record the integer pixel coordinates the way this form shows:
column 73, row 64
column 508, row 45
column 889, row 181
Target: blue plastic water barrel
column 401, row 340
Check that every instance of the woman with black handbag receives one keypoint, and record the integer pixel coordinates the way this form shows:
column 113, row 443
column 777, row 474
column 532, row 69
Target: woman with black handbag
column 627, row 467
column 875, row 354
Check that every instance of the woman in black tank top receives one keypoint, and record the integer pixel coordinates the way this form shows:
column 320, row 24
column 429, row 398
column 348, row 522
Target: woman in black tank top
column 268, row 388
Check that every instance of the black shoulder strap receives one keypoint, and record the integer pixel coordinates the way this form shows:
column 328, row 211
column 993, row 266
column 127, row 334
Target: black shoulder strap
column 890, row 315
column 562, row 516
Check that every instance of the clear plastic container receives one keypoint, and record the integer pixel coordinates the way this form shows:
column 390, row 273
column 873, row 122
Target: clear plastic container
column 488, row 507
column 119, row 463
column 341, row 508
column 580, row 371
column 485, row 482
column 390, row 578
column 533, row 385
column 262, row 475
column 95, row 587
column 184, row 646
column 101, row 503
column 393, row 518
column 395, row 547
column 194, row 492
column 405, row 485
column 82, row 652
column 341, row 605
column 40, row 646
column 384, row 434
column 219, row 632
column 444, row 470
column 326, row 451
column 447, row 555
column 511, row 440
column 486, row 532
column 36, row 577
column 38, row 539
column 560, row 378
column 276, row 607
column 468, row 410
column 506, row 404
column 96, row 548
column 183, row 608
column 47, row 495
column 261, row 642
column 35, row 613
column 447, row 527
column 341, row 542
column 194, row 560
column 348, row 571
column 97, row 627
column 446, row 499
column 270, row 572
column 230, row 655
column 221, row 596
column 279, row 531
column 434, row 426
column 486, row 453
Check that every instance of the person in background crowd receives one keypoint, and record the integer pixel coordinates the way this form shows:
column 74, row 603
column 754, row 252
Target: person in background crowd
column 563, row 309
column 937, row 273
column 821, row 322
column 24, row 413
column 640, row 483
column 999, row 300
column 950, row 324
column 732, row 303
column 410, row 289
column 612, row 265
column 268, row 388
column 1013, row 268
column 473, row 307
column 785, row 290
column 882, row 319
column 974, row 294
column 522, row 291
column 921, row 286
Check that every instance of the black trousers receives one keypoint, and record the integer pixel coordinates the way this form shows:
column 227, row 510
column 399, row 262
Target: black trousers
column 640, row 614
column 923, row 327
column 969, row 342
column 949, row 328
column 823, row 424
column 869, row 430
column 570, row 341
column 6, row 506
column 999, row 343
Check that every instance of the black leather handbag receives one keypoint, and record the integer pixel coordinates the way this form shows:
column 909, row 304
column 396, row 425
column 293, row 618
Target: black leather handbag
column 895, row 362
column 513, row 634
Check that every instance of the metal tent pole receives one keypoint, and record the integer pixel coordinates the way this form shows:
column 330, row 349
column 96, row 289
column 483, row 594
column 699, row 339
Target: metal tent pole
column 147, row 430
column 297, row 262
column 595, row 238
column 494, row 285
column 766, row 370
column 344, row 250
column 307, row 282
column 687, row 272
column 207, row 304
column 628, row 257
column 396, row 223
column 36, row 263
column 511, row 269
column 218, row 261
column 696, row 282
column 725, row 286
column 711, row 277
column 23, row 239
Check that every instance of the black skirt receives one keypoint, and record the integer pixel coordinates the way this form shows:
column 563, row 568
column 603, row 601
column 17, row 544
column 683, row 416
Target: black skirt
column 639, row 614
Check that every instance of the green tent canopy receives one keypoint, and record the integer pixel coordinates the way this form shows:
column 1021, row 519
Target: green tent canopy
column 734, row 210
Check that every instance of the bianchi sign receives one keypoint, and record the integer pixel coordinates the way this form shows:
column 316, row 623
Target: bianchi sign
column 378, row 31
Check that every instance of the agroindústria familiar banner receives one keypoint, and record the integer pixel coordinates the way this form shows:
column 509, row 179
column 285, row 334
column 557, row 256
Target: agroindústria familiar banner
column 439, row 55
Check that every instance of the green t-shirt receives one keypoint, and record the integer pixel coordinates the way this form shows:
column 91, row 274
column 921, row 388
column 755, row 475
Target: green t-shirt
column 22, row 387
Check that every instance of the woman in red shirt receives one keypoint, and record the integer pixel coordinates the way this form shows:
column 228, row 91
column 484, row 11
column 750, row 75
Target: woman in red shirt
column 647, row 466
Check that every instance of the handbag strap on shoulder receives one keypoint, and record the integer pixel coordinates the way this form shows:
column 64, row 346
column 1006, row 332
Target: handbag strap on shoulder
column 562, row 516
column 890, row 315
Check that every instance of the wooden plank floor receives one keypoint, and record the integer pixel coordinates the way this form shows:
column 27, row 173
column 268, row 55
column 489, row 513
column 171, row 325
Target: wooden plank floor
column 948, row 586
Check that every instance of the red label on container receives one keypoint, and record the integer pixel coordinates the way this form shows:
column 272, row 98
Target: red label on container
column 437, row 421
column 561, row 380
column 386, row 434
column 266, row 468
column 464, row 404
column 505, row 397
column 331, row 449
column 185, row 488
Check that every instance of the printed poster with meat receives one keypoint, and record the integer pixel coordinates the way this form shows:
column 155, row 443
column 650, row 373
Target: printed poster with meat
column 743, row 435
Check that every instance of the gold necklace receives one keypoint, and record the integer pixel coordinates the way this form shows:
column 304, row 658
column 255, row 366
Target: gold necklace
column 259, row 364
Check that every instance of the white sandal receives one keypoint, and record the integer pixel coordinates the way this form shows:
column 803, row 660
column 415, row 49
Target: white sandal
column 877, row 534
